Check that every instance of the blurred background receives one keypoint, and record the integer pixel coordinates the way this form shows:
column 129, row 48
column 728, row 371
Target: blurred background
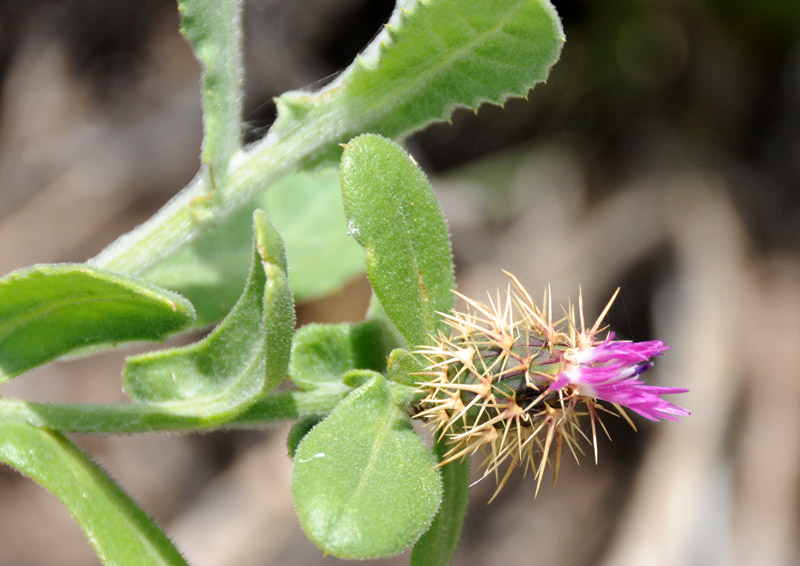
column 662, row 156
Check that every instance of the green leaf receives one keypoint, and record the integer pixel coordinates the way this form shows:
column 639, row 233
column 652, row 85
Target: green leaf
column 245, row 356
column 307, row 211
column 394, row 215
column 47, row 311
column 323, row 353
column 437, row 546
column 120, row 532
column 213, row 29
column 363, row 482
column 434, row 56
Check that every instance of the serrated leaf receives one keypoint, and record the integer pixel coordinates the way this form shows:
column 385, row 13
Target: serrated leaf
column 394, row 215
column 246, row 355
column 323, row 353
column 437, row 546
column 47, row 311
column 432, row 57
column 307, row 211
column 120, row 532
column 363, row 482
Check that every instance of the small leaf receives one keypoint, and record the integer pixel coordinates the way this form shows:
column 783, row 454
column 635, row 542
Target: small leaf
column 246, row 355
column 322, row 353
column 437, row 546
column 394, row 215
column 307, row 211
column 47, row 311
column 363, row 482
column 120, row 532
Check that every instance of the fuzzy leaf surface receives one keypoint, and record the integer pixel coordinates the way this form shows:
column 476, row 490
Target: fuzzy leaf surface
column 394, row 215
column 363, row 482
column 47, row 311
column 246, row 355
column 120, row 532
column 432, row 57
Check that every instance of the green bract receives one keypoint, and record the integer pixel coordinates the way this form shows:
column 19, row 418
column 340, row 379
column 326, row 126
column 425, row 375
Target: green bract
column 324, row 353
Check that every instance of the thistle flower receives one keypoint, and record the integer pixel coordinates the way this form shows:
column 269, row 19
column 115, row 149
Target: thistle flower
column 513, row 382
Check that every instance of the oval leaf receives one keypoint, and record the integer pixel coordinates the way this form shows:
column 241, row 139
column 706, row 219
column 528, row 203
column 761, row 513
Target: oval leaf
column 394, row 215
column 120, row 532
column 363, row 482
column 246, row 354
column 47, row 311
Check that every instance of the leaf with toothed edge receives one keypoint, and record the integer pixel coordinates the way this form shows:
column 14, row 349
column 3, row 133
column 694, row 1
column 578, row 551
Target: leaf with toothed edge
column 431, row 57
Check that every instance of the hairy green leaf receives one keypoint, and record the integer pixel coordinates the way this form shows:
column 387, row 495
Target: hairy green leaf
column 120, row 532
column 47, row 311
column 394, row 215
column 431, row 57
column 363, row 482
column 245, row 356
column 307, row 211
column 322, row 353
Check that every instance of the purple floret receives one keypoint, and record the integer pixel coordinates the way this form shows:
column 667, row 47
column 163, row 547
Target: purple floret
column 610, row 372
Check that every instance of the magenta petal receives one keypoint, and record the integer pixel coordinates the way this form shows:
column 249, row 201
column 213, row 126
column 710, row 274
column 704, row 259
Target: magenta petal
column 610, row 372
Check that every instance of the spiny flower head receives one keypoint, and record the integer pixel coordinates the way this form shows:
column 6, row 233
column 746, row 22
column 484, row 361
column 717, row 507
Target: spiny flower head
column 513, row 382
